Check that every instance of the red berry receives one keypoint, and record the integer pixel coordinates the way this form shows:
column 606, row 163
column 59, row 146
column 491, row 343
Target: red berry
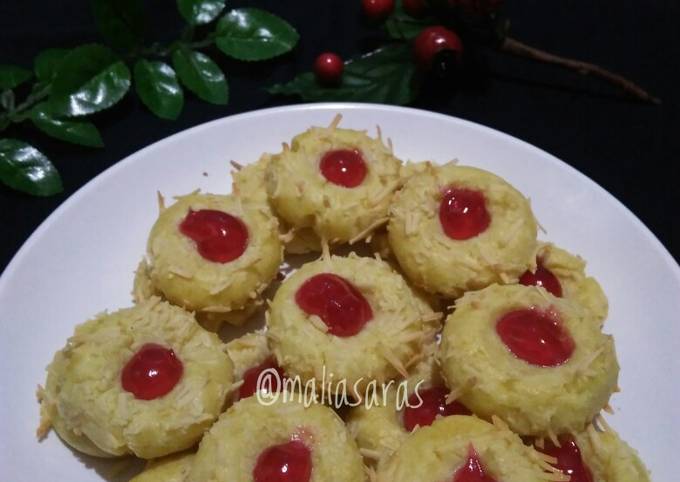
column 415, row 8
column 328, row 68
column 433, row 40
column 377, row 10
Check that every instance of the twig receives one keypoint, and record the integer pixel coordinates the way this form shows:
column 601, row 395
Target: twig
column 21, row 111
column 515, row 47
column 199, row 44
column 33, row 99
column 158, row 50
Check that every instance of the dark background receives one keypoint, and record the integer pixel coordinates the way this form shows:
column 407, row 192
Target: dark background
column 630, row 148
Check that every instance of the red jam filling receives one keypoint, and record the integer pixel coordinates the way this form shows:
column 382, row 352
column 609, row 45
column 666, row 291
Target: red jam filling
column 569, row 459
column 251, row 376
column 542, row 277
column 433, row 404
column 536, row 337
column 152, row 372
column 219, row 237
column 472, row 470
column 336, row 301
column 344, row 167
column 463, row 213
column 287, row 462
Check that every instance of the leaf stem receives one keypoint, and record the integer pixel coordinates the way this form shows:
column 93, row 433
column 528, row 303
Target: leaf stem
column 515, row 47
column 157, row 50
column 17, row 113
column 199, row 44
column 33, row 99
column 187, row 34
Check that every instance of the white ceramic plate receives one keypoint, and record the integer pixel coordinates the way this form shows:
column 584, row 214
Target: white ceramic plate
column 81, row 259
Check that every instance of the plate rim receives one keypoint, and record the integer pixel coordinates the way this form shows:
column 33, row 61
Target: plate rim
column 21, row 253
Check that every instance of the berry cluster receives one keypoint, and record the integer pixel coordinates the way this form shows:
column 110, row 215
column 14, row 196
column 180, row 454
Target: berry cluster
column 437, row 50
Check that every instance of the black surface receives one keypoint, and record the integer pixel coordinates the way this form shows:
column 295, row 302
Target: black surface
column 630, row 148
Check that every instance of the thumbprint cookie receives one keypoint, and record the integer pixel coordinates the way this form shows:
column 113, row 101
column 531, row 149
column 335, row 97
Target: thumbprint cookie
column 249, row 183
column 338, row 183
column 345, row 322
column 563, row 275
column 404, row 406
column 464, row 448
column 457, row 228
column 213, row 255
column 173, row 468
column 253, row 360
column 146, row 380
column 277, row 441
column 537, row 361
column 594, row 455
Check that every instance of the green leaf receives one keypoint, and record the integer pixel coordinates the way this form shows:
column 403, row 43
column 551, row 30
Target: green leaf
column 402, row 26
column 121, row 22
column 197, row 12
column 69, row 130
column 46, row 63
column 12, row 76
column 201, row 75
column 26, row 169
column 253, row 34
column 89, row 79
column 157, row 85
column 383, row 76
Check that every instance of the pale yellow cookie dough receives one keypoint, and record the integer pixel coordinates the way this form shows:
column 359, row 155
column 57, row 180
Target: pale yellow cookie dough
column 213, row 290
column 249, row 182
column 402, row 323
column 84, row 400
column 379, row 429
column 449, row 267
column 229, row 451
column 301, row 241
column 51, row 419
column 609, row 458
column 533, row 400
column 173, row 468
column 143, row 289
column 410, row 169
column 248, row 351
column 570, row 271
column 435, row 453
column 303, row 198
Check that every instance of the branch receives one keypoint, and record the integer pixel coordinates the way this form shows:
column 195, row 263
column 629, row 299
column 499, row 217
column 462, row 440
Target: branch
column 519, row 49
